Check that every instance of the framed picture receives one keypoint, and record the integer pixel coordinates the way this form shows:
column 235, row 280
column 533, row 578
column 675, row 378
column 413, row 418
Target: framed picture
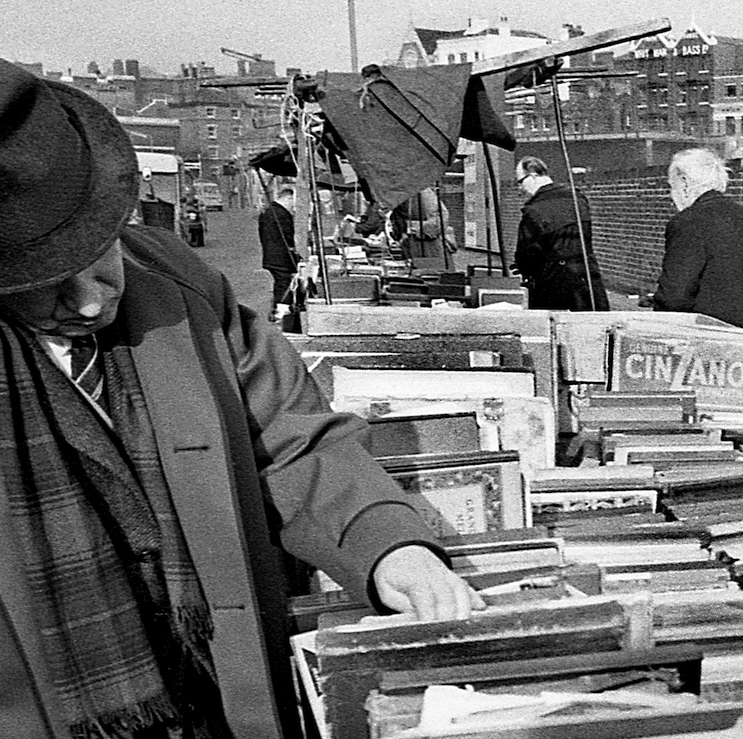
column 463, row 493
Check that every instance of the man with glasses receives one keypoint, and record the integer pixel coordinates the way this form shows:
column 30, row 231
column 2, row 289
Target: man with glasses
column 549, row 253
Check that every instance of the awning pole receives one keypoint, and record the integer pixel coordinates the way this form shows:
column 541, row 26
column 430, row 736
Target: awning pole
column 315, row 201
column 442, row 228
column 496, row 213
column 571, row 181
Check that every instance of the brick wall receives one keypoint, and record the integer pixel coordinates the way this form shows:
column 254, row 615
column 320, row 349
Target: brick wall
column 629, row 214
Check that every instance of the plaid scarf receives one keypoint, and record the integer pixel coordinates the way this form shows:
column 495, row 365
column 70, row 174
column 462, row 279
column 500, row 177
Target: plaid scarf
column 124, row 622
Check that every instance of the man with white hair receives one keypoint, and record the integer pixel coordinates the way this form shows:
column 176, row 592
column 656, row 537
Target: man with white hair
column 703, row 263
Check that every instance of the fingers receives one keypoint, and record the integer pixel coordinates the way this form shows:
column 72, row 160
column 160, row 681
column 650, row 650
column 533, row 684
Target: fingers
column 413, row 580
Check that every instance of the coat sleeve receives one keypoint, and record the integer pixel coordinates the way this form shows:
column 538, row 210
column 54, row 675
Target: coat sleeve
column 339, row 510
column 529, row 255
column 683, row 264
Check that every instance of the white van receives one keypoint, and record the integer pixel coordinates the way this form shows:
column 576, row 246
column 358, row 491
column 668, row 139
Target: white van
column 209, row 194
column 161, row 179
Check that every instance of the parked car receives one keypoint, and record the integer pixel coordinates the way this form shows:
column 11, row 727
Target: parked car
column 209, row 194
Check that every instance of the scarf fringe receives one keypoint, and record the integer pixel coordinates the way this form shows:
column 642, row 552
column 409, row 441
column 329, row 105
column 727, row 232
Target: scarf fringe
column 121, row 724
column 195, row 621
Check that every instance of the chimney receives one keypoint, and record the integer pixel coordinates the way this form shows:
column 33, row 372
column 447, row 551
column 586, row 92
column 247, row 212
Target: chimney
column 132, row 68
column 118, row 68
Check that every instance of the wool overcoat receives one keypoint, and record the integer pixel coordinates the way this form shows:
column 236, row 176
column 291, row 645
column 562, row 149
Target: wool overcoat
column 550, row 256
column 254, row 459
column 702, row 268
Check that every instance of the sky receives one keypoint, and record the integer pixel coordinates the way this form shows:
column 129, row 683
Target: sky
column 310, row 34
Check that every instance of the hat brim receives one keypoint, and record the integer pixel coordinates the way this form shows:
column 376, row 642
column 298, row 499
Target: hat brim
column 97, row 222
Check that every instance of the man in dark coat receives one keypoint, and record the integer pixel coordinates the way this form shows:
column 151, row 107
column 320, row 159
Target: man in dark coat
column 549, row 253
column 702, row 268
column 276, row 233
column 158, row 442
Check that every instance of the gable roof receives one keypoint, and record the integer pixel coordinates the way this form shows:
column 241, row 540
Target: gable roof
column 430, row 36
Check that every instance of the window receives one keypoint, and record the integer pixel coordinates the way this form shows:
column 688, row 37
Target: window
column 463, row 57
column 519, row 120
column 235, row 113
column 237, row 132
column 211, row 131
column 451, row 59
column 213, row 152
column 730, row 125
column 477, row 56
column 730, row 91
column 210, row 112
column 682, row 95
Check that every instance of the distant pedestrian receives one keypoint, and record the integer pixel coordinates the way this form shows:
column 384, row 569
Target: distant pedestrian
column 280, row 257
column 703, row 263
column 420, row 225
column 549, row 253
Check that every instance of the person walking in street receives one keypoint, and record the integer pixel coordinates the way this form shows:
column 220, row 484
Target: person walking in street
column 549, row 253
column 280, row 257
column 702, row 269
column 161, row 451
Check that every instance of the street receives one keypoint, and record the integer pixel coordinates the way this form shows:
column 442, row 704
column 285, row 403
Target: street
column 232, row 247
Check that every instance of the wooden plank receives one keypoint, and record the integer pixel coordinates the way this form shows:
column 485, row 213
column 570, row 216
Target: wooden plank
column 351, row 662
column 388, row 320
column 578, row 45
column 521, row 670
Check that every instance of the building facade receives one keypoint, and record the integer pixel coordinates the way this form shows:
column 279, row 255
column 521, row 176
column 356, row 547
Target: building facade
column 216, row 130
column 480, row 40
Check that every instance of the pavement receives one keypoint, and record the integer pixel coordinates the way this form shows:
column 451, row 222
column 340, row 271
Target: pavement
column 232, row 246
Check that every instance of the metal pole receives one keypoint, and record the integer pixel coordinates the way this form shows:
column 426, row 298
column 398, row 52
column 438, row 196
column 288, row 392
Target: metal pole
column 488, row 235
column 315, row 201
column 496, row 212
column 352, row 35
column 442, row 229
column 571, row 181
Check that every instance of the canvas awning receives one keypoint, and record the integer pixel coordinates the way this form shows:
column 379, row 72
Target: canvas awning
column 399, row 128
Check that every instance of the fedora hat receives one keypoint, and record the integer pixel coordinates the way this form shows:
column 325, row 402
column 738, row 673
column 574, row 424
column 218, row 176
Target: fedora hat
column 68, row 180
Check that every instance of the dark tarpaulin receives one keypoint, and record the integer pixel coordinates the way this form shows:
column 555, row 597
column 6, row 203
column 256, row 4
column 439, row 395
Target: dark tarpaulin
column 400, row 127
column 278, row 161
column 532, row 75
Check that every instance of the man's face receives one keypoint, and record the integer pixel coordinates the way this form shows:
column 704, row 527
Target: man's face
column 679, row 190
column 80, row 305
column 289, row 202
column 522, row 178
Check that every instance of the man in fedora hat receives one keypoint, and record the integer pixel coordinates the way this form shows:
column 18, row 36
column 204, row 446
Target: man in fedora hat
column 157, row 442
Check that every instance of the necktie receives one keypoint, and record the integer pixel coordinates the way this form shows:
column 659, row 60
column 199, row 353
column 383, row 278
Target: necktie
column 86, row 370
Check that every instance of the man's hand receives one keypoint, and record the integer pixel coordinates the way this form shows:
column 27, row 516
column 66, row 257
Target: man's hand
column 412, row 579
